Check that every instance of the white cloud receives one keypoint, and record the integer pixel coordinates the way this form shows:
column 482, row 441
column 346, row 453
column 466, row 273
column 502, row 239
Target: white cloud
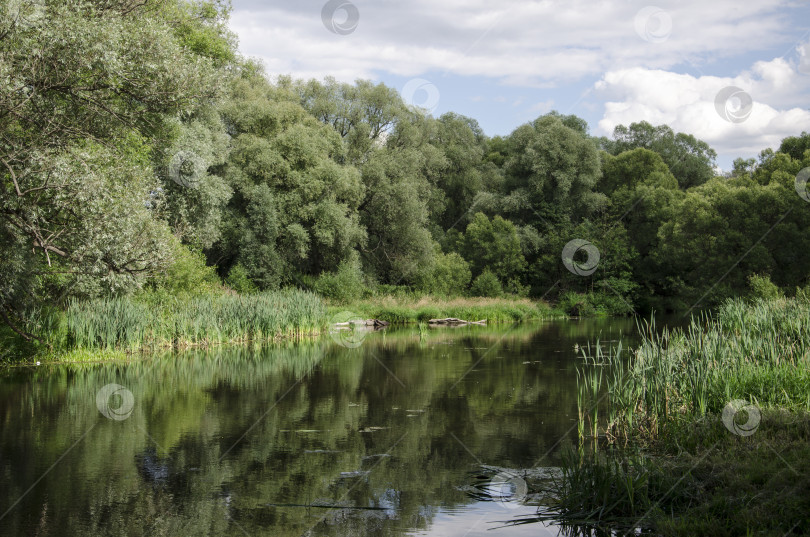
column 687, row 104
column 542, row 107
column 804, row 58
column 558, row 45
column 519, row 42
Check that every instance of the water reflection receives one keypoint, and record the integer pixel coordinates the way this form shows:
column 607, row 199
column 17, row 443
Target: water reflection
column 390, row 438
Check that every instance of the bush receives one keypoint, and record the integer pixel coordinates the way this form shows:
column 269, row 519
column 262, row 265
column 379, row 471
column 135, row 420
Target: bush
column 239, row 281
column 576, row 305
column 763, row 287
column 187, row 274
column 514, row 287
column 450, row 276
column 594, row 304
column 397, row 291
column 344, row 285
column 486, row 285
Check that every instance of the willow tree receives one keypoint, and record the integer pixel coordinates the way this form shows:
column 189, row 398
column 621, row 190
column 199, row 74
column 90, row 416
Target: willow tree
column 85, row 89
column 294, row 208
column 690, row 160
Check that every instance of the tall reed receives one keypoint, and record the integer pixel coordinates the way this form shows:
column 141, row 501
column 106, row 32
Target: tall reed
column 127, row 323
column 756, row 351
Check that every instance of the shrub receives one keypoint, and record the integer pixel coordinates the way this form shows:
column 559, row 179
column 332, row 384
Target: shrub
column 239, row 281
column 450, row 276
column 486, row 285
column 344, row 285
column 187, row 274
column 576, row 305
column 514, row 287
column 763, row 287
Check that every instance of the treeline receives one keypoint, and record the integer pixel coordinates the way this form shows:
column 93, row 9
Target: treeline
column 140, row 152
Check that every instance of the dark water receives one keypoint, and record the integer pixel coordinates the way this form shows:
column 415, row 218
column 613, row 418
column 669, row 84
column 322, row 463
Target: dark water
column 403, row 435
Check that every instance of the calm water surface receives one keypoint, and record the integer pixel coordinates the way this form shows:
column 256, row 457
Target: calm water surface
column 402, row 435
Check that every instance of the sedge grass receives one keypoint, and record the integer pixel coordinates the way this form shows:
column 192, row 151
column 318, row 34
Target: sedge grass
column 759, row 352
column 129, row 324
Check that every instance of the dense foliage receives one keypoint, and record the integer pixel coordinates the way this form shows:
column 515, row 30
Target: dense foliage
column 137, row 148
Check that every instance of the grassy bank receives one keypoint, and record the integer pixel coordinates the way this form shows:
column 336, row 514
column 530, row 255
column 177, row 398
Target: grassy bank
column 404, row 310
column 109, row 328
column 703, row 431
column 155, row 321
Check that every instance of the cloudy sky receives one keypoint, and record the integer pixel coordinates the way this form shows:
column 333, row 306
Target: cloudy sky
column 735, row 74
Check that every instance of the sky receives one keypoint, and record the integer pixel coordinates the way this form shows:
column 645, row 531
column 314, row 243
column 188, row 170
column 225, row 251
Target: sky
column 734, row 73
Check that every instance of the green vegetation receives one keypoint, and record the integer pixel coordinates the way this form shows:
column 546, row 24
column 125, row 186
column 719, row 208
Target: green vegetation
column 159, row 190
column 150, row 321
column 400, row 310
column 663, row 458
column 172, row 163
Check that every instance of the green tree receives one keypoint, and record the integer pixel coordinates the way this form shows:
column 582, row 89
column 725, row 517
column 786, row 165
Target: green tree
column 85, row 91
column 294, row 209
column 796, row 146
column 363, row 114
column 494, row 245
column 550, row 174
column 690, row 160
column 486, row 284
column 395, row 213
column 450, row 276
column 195, row 194
column 462, row 141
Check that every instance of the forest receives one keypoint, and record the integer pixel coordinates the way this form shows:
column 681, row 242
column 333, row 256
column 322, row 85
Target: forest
column 143, row 157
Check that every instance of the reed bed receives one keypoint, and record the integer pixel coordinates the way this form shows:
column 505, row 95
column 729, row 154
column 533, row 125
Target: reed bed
column 662, row 459
column 130, row 324
column 758, row 351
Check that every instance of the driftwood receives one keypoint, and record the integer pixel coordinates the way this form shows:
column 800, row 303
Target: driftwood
column 454, row 321
column 376, row 323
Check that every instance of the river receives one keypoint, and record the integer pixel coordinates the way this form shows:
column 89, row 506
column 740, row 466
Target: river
column 379, row 433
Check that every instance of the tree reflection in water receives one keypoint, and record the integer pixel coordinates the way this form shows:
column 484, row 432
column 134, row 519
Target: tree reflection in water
column 291, row 439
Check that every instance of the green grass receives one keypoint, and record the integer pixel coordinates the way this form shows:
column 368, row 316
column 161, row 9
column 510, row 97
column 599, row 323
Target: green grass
column 130, row 324
column 758, row 352
column 407, row 310
column 654, row 413
column 703, row 481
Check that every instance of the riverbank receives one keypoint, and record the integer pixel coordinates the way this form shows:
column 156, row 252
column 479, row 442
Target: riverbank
column 414, row 310
column 703, row 431
column 115, row 328
column 111, row 328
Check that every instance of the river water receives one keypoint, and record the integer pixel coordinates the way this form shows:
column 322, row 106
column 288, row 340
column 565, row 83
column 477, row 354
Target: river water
column 386, row 433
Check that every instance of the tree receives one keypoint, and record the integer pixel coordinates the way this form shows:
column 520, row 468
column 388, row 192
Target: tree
column 690, row 160
column 395, row 213
column 726, row 230
column 294, row 209
column 450, row 276
column 85, row 90
column 486, row 284
column 462, row 142
column 551, row 172
column 796, row 146
column 493, row 245
column 193, row 188
column 363, row 114
column 632, row 168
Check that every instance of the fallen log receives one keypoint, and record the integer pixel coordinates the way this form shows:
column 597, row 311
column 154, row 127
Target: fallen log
column 364, row 322
column 454, row 321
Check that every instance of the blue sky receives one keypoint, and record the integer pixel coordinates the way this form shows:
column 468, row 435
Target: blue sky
column 611, row 62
